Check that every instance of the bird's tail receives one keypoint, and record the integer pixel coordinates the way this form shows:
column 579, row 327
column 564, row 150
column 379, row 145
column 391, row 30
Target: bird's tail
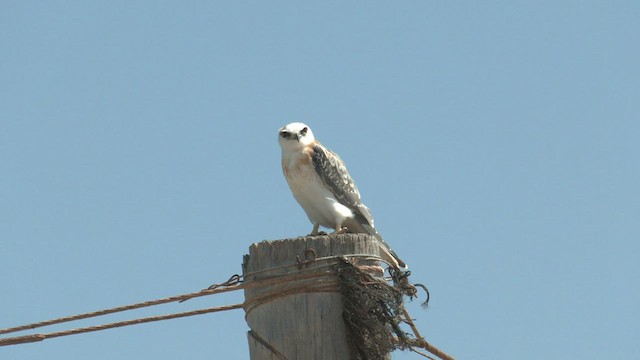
column 388, row 253
column 387, row 249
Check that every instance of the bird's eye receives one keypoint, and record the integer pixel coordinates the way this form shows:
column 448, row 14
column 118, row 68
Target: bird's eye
column 304, row 130
column 284, row 134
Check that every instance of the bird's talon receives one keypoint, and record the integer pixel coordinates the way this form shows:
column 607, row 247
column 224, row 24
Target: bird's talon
column 342, row 230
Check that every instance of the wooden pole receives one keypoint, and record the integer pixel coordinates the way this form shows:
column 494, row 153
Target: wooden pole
column 299, row 316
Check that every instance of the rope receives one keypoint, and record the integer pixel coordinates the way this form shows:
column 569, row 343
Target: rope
column 328, row 288
column 205, row 292
column 315, row 260
column 40, row 337
column 324, row 276
column 419, row 341
column 266, row 344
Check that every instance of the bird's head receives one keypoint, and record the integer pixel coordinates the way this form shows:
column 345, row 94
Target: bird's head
column 295, row 135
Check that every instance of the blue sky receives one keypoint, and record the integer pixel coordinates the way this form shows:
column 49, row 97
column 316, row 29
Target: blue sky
column 495, row 142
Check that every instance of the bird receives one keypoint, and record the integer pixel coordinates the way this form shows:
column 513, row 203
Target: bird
column 320, row 182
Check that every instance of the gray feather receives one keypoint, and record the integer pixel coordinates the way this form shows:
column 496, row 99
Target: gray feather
column 336, row 178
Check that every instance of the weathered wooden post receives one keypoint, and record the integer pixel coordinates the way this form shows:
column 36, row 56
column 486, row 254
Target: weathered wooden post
column 293, row 304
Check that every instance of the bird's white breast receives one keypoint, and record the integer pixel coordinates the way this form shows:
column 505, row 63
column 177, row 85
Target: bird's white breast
column 310, row 192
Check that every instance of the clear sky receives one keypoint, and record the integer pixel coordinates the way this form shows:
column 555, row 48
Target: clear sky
column 496, row 143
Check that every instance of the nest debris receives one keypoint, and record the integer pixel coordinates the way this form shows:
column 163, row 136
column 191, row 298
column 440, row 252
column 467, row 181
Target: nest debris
column 372, row 313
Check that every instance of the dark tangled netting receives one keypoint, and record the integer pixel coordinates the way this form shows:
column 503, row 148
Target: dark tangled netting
column 372, row 313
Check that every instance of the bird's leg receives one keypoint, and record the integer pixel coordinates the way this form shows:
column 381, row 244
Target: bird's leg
column 315, row 231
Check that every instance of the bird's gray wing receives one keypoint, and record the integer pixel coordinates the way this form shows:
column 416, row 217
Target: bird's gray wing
column 336, row 178
column 331, row 169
